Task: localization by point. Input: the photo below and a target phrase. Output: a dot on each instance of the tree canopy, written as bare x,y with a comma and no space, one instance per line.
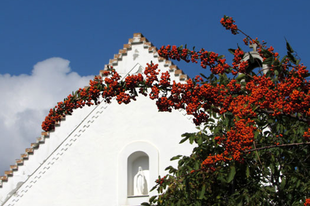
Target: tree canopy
253,138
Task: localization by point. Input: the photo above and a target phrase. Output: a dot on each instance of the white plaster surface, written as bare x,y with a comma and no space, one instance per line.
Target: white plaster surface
84,161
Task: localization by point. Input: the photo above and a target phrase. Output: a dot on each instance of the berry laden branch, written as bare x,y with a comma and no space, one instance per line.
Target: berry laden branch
234,102
200,98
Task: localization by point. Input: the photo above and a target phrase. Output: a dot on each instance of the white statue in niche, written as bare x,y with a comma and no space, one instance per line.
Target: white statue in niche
140,183
136,54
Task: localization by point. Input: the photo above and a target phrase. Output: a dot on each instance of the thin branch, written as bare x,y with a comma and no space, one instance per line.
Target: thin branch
289,115
247,36
257,154
282,145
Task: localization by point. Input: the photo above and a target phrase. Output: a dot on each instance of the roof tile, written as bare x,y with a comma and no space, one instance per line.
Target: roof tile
8,173
13,167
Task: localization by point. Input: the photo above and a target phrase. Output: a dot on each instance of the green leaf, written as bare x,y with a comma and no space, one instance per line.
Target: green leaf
153,188
283,59
240,77
276,72
256,133
196,166
247,198
171,169
291,58
276,63
221,178
270,189
298,183
191,139
232,51
202,192
288,47
175,157
266,53
152,198
240,203
247,172
272,168
268,61
232,174
204,76
283,183
200,139
183,140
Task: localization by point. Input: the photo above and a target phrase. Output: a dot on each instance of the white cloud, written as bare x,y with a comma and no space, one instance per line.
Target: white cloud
26,100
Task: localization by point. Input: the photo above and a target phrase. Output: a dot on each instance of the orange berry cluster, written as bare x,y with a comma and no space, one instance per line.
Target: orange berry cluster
247,41
307,202
228,23
161,180
151,74
216,63
235,142
111,87
133,81
123,97
307,135
86,96
286,93
165,79
237,64
108,88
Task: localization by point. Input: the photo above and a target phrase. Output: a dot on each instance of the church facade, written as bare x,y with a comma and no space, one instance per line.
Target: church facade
105,154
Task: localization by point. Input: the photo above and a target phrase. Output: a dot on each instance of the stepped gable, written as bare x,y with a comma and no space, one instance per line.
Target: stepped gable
28,152
26,155
138,38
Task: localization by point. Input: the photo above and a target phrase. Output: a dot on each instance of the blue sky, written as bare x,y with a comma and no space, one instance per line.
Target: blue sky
88,33
50,48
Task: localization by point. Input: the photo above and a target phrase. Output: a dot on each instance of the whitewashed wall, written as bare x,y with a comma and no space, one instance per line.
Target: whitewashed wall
84,161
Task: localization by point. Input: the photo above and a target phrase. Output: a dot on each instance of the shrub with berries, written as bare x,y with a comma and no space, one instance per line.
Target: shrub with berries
252,147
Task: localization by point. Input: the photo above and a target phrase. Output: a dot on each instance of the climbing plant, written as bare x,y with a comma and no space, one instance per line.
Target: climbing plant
252,146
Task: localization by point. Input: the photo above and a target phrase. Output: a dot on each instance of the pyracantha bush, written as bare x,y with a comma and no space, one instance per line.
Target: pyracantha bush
253,114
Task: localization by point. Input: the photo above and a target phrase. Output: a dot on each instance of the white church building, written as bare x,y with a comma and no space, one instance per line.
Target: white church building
106,154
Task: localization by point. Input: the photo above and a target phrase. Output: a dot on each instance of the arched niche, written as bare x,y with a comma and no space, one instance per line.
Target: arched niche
131,157
138,174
